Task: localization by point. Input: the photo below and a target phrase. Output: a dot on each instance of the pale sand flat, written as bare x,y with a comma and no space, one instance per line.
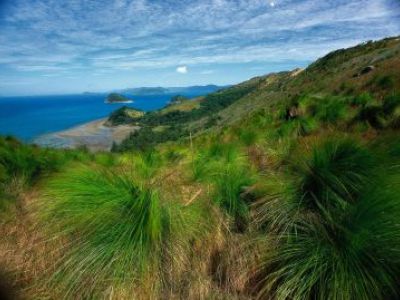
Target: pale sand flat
94,135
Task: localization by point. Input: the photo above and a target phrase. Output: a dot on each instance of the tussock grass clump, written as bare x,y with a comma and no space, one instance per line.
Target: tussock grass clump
328,109
26,161
391,103
373,115
117,230
173,155
362,99
336,227
248,137
225,169
230,182
148,163
207,161
333,176
380,115
105,159
143,165
225,151
298,127
23,165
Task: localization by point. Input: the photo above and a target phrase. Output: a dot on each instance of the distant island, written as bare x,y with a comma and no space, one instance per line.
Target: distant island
117,98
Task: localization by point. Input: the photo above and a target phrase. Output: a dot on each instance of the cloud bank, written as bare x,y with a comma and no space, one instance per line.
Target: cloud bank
134,42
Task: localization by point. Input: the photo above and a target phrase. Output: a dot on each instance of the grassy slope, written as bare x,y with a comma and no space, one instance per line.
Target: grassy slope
185,105
224,214
333,74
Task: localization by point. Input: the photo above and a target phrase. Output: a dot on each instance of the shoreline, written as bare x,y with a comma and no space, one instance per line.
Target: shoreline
95,135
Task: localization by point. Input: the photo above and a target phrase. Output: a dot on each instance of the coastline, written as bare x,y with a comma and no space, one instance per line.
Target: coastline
95,135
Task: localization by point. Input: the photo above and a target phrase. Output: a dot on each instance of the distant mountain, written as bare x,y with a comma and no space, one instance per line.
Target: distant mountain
145,91
196,89
189,90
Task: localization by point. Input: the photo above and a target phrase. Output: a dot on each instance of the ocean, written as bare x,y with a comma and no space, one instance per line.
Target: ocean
29,117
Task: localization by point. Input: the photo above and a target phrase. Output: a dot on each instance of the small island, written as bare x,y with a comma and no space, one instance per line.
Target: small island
117,98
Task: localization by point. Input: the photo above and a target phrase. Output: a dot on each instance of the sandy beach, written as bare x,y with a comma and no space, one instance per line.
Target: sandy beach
94,135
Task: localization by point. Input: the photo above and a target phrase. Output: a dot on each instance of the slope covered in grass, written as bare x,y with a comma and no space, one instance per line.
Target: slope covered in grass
346,73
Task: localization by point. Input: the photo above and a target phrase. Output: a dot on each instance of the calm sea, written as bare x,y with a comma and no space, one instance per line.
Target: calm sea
30,117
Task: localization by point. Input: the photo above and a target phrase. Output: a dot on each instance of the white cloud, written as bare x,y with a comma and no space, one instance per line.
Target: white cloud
122,36
182,69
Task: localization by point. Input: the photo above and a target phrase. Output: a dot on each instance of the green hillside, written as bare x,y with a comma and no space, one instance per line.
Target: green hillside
342,74
286,186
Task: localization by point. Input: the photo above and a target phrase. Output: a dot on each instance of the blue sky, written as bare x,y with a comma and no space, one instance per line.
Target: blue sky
56,46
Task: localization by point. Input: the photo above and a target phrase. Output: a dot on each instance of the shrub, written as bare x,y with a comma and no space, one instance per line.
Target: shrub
148,164
22,165
104,159
146,138
173,155
210,159
337,237
262,118
3,173
326,109
300,126
118,230
230,181
385,82
248,136
390,103
330,110
362,99
373,115
218,150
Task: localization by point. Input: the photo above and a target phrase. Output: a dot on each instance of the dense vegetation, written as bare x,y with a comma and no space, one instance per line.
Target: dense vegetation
283,187
175,119
22,165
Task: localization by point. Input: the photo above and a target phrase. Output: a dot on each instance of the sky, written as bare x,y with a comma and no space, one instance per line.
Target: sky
73,46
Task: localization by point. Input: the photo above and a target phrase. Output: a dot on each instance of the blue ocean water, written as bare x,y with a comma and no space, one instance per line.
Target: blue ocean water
30,117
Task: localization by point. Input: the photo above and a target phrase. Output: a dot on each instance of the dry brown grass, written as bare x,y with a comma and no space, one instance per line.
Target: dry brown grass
24,253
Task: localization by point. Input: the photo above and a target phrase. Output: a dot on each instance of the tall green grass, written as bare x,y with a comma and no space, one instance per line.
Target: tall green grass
224,167
206,161
117,230
230,182
336,228
23,165
362,99
380,115
248,136
328,109
298,127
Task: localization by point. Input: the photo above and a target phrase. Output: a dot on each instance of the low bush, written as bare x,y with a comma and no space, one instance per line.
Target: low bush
230,182
335,228
362,99
22,165
116,228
